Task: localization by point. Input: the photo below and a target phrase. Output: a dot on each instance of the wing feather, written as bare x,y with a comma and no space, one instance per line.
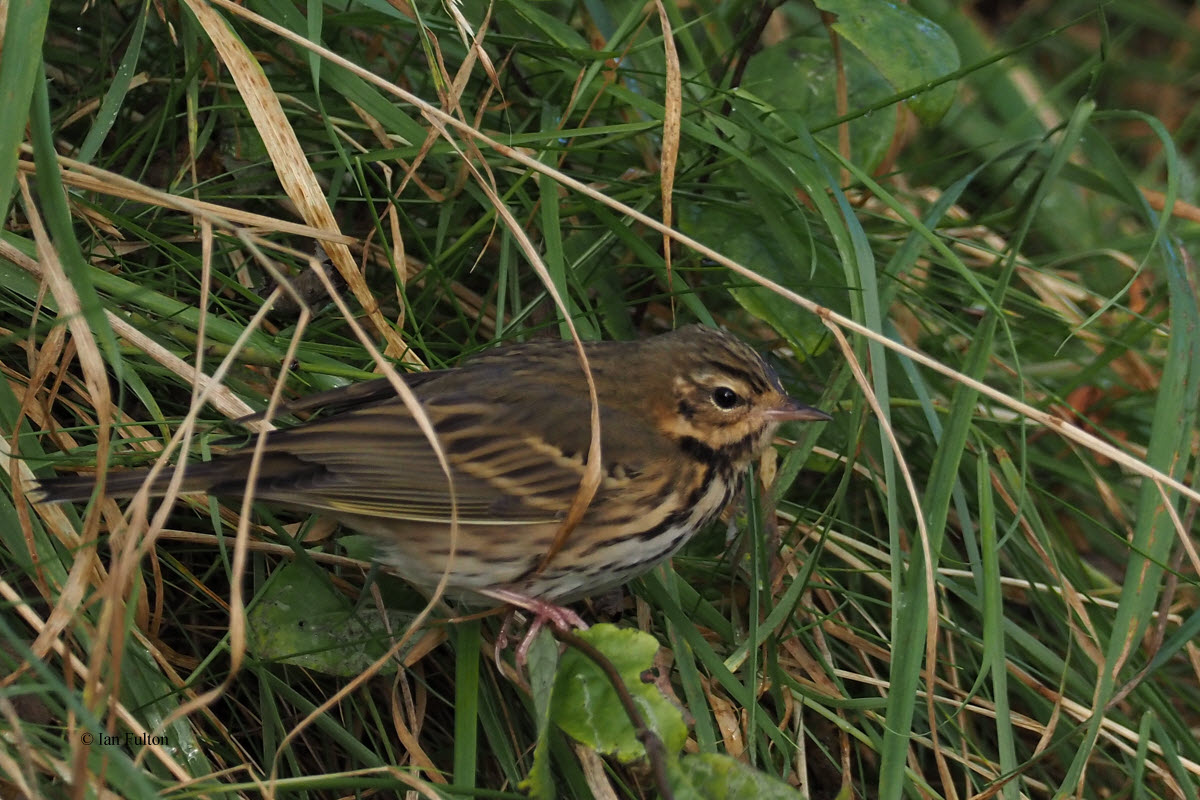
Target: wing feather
374,460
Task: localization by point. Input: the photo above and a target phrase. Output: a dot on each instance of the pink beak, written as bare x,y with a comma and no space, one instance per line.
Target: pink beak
790,410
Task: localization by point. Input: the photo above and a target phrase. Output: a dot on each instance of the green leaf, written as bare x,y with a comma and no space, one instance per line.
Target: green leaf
301,619
787,255
586,706
807,61
715,776
908,49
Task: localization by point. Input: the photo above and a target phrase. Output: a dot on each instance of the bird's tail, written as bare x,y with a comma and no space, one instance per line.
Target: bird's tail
198,477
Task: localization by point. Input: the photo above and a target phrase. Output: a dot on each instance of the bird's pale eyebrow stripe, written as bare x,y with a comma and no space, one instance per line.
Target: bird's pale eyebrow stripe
748,378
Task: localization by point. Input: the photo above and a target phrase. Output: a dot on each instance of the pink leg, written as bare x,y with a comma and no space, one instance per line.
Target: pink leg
563,619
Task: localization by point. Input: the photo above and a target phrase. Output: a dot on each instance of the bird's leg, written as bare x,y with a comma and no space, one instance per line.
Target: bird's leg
559,617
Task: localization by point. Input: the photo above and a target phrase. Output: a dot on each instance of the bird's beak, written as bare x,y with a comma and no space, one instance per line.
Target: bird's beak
789,410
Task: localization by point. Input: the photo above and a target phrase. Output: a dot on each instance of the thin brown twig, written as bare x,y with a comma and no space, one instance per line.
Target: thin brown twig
656,751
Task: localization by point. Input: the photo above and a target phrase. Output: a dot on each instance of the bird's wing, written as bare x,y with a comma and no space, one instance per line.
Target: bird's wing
516,458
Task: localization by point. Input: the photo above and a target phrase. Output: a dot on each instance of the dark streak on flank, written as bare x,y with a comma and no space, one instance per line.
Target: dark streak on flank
672,520
677,517
680,517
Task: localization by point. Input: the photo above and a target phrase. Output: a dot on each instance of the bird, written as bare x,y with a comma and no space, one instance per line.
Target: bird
681,416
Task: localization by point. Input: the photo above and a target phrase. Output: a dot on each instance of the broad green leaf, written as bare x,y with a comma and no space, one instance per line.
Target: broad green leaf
302,619
775,243
715,776
798,79
586,706
907,49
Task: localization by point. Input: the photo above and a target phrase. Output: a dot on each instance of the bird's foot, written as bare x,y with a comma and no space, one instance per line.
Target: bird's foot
557,617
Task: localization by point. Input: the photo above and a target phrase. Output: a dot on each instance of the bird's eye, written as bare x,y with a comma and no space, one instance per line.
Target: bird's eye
725,398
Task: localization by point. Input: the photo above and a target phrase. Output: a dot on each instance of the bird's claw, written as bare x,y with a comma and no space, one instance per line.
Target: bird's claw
559,618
